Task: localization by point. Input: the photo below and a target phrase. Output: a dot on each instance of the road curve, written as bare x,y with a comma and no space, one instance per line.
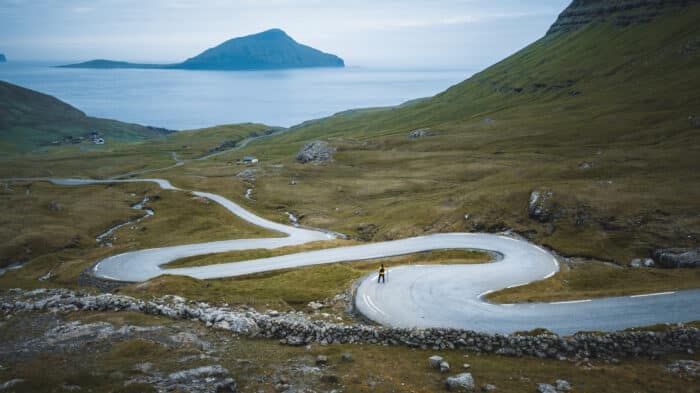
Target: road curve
448,296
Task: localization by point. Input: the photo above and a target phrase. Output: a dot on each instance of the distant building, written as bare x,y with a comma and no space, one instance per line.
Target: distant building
250,160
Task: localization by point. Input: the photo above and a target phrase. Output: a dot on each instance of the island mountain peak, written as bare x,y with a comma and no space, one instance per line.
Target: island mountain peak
270,49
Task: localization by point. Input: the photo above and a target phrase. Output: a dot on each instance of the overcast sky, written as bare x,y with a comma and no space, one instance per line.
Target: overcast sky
406,33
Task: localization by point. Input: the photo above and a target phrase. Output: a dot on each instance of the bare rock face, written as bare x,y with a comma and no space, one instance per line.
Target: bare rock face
677,257
316,151
541,205
420,133
621,12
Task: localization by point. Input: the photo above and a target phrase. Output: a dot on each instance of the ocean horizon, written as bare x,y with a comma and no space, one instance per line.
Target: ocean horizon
187,99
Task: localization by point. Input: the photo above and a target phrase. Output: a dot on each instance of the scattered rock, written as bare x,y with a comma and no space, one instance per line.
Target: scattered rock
315,306
690,367
648,262
466,366
636,263
575,92
563,385
199,372
677,257
461,383
55,206
586,165
315,151
546,388
249,174
321,360
444,367
347,357
541,205
298,329
488,388
434,362
421,132
694,121
144,367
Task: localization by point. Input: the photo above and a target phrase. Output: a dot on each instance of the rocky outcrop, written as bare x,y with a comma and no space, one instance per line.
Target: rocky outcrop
421,133
541,206
621,12
677,257
295,328
315,151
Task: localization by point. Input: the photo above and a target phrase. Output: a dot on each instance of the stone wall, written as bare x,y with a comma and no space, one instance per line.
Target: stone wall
296,328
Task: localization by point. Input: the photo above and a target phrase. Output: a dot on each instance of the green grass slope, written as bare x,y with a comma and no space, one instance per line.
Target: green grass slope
29,120
599,115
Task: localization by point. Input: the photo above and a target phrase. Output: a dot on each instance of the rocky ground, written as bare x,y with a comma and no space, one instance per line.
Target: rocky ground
60,340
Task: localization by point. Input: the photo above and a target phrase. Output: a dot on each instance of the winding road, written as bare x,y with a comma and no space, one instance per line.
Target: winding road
448,296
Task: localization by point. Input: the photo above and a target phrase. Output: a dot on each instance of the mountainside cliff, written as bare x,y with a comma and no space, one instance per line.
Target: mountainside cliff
622,12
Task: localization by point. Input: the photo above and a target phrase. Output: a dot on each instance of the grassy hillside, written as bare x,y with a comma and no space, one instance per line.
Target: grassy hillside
29,120
599,116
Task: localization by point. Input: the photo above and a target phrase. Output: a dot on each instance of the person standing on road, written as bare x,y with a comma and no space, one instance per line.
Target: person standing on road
382,272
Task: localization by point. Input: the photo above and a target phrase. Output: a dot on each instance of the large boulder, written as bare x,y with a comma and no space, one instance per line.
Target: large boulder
541,206
420,133
461,383
677,257
434,362
315,151
694,121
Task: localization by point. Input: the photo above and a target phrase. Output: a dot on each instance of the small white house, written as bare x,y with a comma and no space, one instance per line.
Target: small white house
250,160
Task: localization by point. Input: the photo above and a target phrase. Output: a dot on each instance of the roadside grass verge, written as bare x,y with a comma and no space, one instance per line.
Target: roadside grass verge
293,288
594,279
439,256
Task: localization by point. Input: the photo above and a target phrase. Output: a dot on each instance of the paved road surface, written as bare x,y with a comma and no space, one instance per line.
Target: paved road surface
416,296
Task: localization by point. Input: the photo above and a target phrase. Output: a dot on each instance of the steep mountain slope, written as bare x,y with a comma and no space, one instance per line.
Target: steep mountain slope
604,116
267,50
270,49
29,119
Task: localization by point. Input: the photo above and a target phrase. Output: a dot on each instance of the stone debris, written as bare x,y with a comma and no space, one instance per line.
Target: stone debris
315,151
206,379
434,362
540,206
677,257
690,367
421,133
444,367
461,383
297,328
560,386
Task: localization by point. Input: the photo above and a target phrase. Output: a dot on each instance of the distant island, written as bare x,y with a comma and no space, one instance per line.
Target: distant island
2,58
269,50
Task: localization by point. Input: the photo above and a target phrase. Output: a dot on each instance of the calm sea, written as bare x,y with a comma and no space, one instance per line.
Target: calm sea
180,99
